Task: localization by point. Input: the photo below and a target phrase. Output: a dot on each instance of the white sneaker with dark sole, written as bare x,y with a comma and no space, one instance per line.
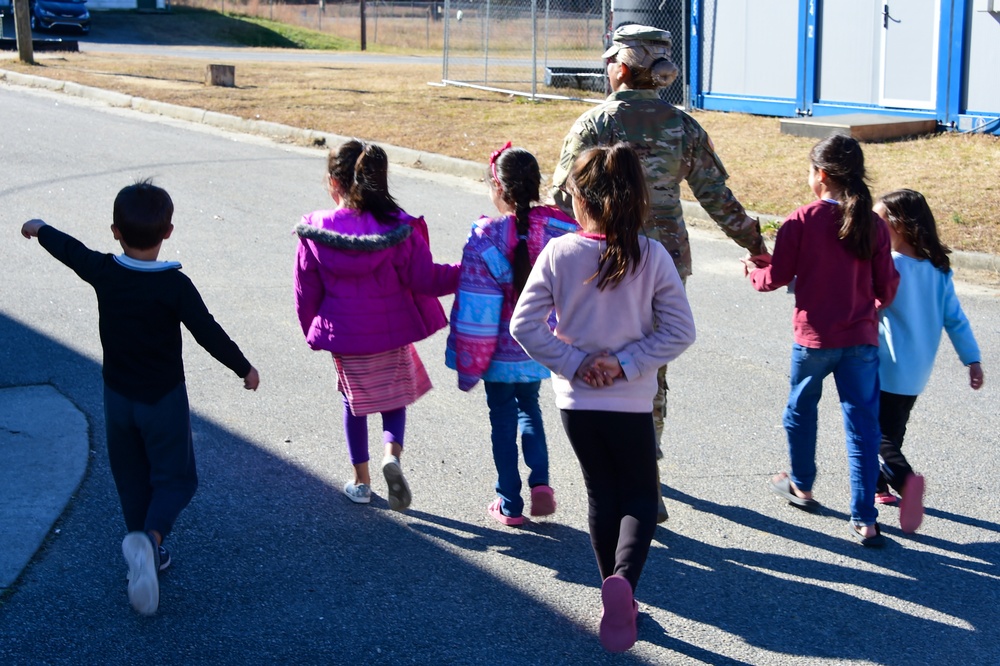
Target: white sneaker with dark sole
399,489
143,583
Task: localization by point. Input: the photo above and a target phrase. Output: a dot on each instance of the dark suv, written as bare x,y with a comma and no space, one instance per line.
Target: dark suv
55,14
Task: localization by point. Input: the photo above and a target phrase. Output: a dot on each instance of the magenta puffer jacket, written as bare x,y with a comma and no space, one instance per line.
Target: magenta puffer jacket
363,287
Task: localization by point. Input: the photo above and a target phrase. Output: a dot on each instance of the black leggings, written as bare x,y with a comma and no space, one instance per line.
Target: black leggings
893,414
617,453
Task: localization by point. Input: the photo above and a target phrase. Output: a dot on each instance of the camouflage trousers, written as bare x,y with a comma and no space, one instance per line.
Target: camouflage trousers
660,408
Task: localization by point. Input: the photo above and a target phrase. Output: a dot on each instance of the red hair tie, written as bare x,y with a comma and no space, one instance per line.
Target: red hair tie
494,156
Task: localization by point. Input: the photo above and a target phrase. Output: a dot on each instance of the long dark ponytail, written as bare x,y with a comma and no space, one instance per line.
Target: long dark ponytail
841,158
517,179
612,189
907,212
361,171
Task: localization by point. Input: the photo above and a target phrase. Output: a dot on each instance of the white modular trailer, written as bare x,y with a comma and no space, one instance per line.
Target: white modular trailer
919,58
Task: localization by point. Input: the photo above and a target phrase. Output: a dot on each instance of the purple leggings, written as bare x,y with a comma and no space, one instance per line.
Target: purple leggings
356,428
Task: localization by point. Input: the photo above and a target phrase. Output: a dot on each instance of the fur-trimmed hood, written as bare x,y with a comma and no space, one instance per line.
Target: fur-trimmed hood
366,242
355,275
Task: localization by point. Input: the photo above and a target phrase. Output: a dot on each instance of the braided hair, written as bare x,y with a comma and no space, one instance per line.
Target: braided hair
515,176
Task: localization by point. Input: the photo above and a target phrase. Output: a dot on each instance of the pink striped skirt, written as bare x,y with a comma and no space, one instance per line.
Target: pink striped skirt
381,382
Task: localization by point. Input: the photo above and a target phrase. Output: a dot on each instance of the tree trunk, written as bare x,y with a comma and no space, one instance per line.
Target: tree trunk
364,28
22,28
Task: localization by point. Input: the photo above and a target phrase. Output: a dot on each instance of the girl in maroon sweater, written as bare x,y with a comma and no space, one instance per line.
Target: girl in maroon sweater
838,253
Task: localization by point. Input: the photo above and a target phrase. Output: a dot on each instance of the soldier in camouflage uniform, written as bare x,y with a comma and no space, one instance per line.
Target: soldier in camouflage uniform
672,146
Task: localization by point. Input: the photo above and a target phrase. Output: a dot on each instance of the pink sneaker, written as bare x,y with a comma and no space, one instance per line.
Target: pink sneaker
618,632
543,501
501,517
886,498
911,506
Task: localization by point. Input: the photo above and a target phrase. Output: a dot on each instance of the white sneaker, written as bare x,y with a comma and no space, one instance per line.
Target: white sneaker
399,489
358,493
143,581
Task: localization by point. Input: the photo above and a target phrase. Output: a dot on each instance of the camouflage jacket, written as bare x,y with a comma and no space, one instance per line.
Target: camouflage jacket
673,147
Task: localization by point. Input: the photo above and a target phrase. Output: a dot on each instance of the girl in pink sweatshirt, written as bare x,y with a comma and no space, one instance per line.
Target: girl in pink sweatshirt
621,314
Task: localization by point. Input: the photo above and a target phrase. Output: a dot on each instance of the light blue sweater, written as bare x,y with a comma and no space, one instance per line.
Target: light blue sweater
910,328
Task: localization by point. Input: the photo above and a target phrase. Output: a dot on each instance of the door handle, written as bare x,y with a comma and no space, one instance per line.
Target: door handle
886,18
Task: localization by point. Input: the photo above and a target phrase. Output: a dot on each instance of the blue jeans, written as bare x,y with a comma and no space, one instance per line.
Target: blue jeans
855,370
514,407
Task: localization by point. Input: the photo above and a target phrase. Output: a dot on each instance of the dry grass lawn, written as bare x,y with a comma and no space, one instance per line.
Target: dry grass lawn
395,105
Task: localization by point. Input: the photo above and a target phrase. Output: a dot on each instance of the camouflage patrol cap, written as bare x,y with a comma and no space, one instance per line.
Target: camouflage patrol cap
634,36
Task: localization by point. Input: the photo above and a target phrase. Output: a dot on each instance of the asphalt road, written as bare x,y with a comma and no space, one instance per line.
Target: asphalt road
273,565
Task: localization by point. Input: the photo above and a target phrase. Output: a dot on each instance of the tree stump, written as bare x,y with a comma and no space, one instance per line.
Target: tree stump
220,75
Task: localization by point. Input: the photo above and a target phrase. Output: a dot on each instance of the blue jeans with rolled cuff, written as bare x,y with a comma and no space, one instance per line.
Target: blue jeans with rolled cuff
855,371
513,408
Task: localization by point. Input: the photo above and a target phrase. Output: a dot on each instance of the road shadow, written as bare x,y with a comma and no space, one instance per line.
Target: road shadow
272,564
909,599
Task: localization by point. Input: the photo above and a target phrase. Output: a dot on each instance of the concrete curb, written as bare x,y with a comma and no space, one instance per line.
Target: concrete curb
694,214
44,462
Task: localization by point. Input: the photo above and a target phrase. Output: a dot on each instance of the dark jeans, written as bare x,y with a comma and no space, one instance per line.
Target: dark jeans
152,458
617,453
893,415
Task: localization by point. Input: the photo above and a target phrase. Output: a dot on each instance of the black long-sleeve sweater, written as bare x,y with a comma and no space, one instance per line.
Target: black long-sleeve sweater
140,316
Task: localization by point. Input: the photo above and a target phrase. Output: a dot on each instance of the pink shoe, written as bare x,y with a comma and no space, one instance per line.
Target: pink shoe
501,517
543,501
911,506
886,498
618,631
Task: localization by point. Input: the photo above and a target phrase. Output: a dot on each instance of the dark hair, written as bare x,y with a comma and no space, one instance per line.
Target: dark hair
517,179
611,188
907,212
361,171
840,157
142,214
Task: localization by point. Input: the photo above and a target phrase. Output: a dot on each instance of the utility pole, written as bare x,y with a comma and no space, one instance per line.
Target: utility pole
364,40
22,28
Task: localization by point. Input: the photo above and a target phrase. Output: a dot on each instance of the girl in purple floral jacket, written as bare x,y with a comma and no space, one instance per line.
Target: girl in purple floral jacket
366,289
495,264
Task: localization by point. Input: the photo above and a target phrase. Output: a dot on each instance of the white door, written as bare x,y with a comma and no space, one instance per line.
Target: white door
910,53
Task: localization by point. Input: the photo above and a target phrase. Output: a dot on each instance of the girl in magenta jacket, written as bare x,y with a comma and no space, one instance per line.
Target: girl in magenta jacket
366,289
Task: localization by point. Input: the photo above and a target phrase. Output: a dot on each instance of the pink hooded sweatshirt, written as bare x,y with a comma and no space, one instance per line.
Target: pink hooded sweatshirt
363,287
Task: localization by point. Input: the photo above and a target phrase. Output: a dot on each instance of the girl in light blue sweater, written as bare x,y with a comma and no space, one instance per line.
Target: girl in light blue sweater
909,335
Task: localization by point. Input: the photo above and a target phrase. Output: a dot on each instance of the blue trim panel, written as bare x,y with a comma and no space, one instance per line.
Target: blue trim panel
694,54
831,108
755,105
957,66
808,38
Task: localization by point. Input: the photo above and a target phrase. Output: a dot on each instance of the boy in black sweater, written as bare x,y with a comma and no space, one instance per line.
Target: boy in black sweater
142,302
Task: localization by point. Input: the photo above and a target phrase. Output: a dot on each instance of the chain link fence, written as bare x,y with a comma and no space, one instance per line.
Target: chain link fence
544,49
549,48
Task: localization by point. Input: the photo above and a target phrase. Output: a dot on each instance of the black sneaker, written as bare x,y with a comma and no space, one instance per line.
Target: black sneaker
164,557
